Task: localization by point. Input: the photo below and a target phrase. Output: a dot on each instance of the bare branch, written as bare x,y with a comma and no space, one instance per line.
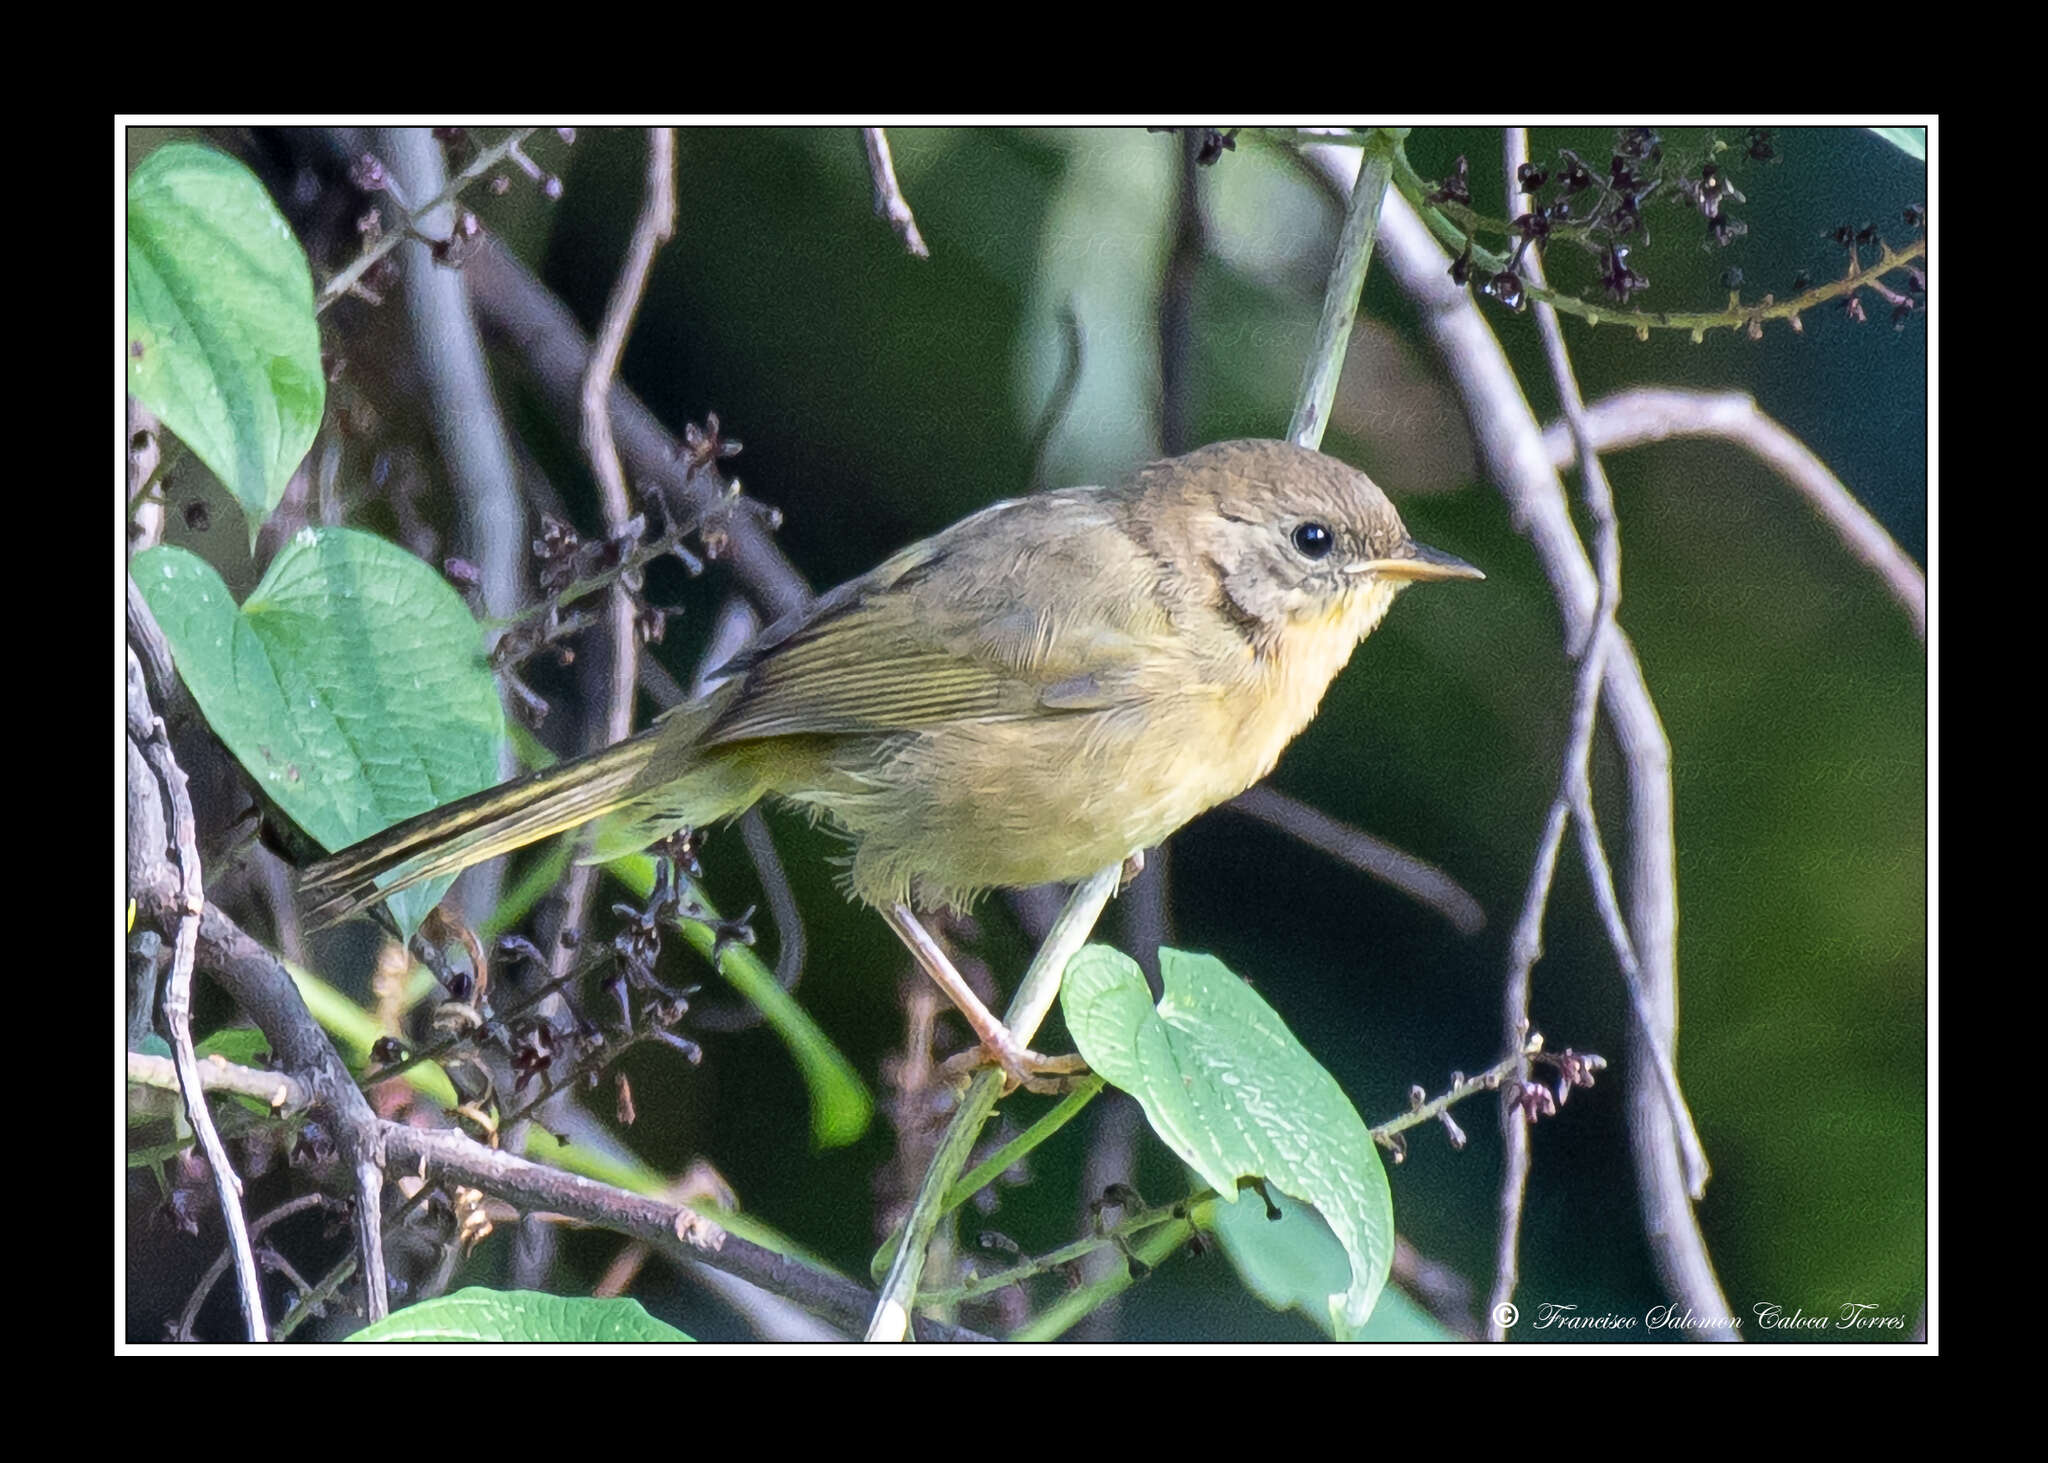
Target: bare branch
1420,880
1639,418
470,435
1511,448
1577,789
675,1230
148,737
889,201
522,315
482,163
280,1091
655,226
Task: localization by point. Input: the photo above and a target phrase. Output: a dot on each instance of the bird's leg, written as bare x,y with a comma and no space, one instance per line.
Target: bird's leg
1021,1066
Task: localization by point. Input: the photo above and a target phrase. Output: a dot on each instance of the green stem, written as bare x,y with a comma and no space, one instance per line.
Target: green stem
1154,1250
1737,316
1035,995
1340,297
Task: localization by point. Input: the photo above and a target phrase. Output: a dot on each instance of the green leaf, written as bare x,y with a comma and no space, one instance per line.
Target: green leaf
1230,1090
352,685
477,1314
1912,141
240,1045
1296,1263
222,344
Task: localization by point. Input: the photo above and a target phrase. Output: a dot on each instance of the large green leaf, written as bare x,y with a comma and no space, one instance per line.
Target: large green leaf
1225,1084
352,685
477,1314
1296,1263
222,344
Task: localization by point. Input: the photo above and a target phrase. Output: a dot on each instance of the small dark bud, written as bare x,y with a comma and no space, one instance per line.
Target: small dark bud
368,174
1214,143
1457,188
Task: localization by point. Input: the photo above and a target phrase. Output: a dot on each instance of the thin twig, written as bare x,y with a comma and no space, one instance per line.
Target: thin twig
786,914
468,425
1116,1235
889,201
654,227
1646,415
677,1231
190,1316
282,1093
522,315
1491,1080
261,986
1575,788
482,163
1511,449
1325,361
1419,879
1607,559
1034,998
312,1299
147,732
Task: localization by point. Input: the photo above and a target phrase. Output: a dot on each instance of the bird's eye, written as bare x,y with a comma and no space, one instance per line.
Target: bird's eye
1313,540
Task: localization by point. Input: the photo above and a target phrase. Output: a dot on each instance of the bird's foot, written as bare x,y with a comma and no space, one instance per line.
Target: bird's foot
1021,1066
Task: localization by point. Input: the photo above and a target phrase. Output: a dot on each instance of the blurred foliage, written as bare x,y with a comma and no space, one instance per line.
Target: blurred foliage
880,398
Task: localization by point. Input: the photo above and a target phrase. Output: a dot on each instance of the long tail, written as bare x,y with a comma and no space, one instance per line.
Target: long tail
495,821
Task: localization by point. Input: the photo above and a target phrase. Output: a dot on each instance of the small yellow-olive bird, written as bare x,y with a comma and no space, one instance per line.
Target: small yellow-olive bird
1048,687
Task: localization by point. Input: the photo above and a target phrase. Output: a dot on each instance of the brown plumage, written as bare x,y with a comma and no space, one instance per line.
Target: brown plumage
1039,691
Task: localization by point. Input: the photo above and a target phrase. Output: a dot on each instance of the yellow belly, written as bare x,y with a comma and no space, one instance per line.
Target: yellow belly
939,816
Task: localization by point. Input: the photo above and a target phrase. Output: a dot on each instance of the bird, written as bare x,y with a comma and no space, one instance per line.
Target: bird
1045,689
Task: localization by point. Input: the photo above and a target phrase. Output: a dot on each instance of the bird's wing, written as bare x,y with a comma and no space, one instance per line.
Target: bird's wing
1040,604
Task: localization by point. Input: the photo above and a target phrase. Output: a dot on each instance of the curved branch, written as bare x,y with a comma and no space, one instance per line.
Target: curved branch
1510,444
1639,418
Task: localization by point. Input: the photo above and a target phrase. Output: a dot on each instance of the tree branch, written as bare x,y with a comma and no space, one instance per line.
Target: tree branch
1641,417
889,200
674,1229
1511,448
523,317
184,902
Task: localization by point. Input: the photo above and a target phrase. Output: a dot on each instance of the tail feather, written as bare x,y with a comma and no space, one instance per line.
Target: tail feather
495,821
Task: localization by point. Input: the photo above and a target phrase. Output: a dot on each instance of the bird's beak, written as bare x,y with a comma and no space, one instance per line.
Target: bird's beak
1414,561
